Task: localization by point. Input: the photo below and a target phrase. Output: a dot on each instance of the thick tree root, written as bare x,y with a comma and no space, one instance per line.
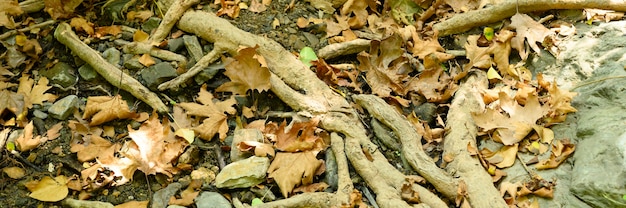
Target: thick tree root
112,74
460,133
465,21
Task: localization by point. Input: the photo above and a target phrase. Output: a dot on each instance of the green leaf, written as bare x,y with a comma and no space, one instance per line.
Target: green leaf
307,55
488,33
256,201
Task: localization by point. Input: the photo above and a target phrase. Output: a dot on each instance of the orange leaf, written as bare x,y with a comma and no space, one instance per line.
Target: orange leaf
292,169
245,73
106,108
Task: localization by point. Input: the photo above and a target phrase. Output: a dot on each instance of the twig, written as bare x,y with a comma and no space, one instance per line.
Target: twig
344,48
112,74
143,48
207,59
463,22
14,32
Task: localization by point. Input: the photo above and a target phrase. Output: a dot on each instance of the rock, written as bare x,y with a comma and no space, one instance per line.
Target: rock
62,74
63,108
40,114
112,55
191,156
242,135
162,197
193,46
174,45
208,73
211,200
244,173
204,174
426,112
157,74
133,64
69,202
151,24
87,73
313,40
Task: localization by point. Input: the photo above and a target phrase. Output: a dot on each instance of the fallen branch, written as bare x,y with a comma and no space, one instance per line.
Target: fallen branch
463,22
343,48
29,28
460,133
143,48
112,74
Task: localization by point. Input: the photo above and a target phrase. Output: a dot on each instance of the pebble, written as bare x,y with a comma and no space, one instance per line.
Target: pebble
174,45
244,173
63,108
157,74
162,197
87,72
112,55
193,46
151,24
211,200
61,73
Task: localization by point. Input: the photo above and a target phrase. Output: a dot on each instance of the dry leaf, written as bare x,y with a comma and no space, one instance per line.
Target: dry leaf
106,108
214,112
108,30
61,9
293,169
26,141
92,147
50,189
386,69
35,94
133,204
146,60
80,24
14,172
12,102
529,29
246,73
299,137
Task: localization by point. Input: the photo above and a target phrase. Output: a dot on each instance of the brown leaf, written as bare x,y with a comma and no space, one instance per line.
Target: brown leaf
61,9
230,8
50,189
26,141
386,69
146,60
92,147
245,73
214,112
433,83
35,94
292,169
106,108
256,6
300,137
12,102
529,29
133,204
81,24
561,150
108,30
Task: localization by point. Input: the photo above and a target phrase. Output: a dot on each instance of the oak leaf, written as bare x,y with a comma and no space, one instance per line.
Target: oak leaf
246,72
106,108
293,169
386,69
214,112
530,30
300,136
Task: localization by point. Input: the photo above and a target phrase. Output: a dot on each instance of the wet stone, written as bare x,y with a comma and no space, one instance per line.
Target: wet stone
157,74
61,73
87,73
63,108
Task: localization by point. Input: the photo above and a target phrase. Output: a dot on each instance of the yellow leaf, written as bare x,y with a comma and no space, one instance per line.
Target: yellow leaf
493,74
186,134
246,73
50,189
146,60
14,172
140,36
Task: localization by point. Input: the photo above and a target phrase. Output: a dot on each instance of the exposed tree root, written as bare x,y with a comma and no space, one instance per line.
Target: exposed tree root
207,59
465,21
173,14
112,74
343,48
460,133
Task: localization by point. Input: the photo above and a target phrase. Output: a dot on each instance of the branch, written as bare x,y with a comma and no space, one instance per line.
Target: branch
463,22
112,74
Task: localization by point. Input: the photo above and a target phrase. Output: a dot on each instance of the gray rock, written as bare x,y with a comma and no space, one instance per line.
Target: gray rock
313,40
62,74
133,64
211,200
40,114
242,135
244,173
174,45
151,24
63,108
87,73
113,56
157,74
193,46
162,197
69,202
208,73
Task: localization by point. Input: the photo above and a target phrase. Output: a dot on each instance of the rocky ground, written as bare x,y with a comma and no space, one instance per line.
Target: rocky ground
51,90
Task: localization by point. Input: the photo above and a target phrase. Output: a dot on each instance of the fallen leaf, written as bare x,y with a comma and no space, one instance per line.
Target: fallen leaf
230,8
26,141
108,30
246,73
146,60
530,30
11,102
61,9
293,169
92,147
133,204
214,112
105,109
386,69
35,93
14,172
256,6
503,158
561,150
50,189
81,24
140,36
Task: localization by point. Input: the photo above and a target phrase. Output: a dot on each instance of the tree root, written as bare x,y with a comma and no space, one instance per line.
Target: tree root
173,14
465,21
411,144
207,59
112,74
460,133
343,48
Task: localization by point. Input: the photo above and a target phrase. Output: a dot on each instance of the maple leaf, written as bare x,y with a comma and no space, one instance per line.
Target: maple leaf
11,102
386,69
292,169
92,147
560,104
214,112
245,73
424,47
528,29
518,122
61,9
26,141
356,10
300,137
35,93
433,83
106,108
336,77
